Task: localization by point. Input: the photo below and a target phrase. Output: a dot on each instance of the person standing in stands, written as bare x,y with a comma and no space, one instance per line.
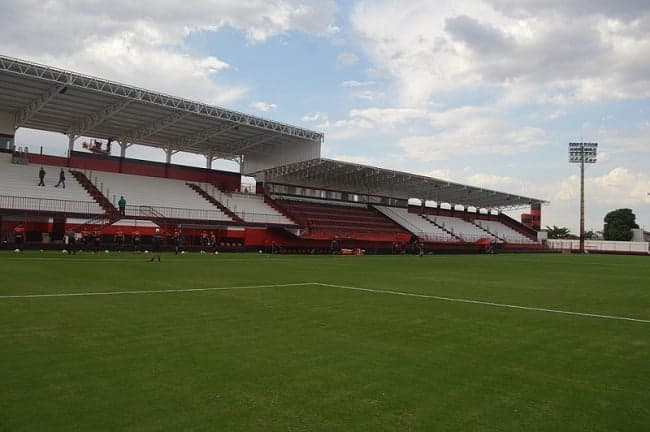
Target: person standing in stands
61,179
155,245
122,206
41,177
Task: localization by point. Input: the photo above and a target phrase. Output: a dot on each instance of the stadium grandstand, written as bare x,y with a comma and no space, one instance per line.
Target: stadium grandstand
301,203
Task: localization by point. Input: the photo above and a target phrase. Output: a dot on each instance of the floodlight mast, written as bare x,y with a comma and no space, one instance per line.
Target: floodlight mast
582,153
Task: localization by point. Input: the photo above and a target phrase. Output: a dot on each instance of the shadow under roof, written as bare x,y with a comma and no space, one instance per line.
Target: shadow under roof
368,180
56,100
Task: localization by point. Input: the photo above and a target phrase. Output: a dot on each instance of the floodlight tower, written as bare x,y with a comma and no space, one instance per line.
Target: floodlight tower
582,153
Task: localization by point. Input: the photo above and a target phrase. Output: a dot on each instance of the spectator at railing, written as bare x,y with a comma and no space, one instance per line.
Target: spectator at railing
122,205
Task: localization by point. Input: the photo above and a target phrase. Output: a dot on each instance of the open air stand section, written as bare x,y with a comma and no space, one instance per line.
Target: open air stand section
302,203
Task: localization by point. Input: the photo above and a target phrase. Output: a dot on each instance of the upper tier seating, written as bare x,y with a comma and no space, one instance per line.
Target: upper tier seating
416,224
168,197
250,207
19,190
504,232
326,221
461,228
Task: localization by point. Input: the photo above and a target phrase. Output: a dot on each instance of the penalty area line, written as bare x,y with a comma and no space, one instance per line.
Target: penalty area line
161,291
485,303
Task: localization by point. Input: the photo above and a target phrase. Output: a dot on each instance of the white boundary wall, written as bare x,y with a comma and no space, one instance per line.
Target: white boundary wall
601,246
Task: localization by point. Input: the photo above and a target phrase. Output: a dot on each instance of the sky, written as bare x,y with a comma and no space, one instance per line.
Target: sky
483,92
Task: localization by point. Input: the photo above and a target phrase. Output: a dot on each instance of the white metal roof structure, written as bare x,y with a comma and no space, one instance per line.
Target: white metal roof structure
46,98
369,180
56,100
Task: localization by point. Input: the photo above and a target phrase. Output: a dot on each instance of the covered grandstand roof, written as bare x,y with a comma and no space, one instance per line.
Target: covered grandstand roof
56,100
364,179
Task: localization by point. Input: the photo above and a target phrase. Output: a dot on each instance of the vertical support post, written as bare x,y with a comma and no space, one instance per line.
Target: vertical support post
71,140
209,157
582,199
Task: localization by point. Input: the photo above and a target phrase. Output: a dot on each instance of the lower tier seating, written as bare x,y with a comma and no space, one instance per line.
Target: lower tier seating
327,221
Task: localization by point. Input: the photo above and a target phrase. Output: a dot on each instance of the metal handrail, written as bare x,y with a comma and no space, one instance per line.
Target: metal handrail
49,204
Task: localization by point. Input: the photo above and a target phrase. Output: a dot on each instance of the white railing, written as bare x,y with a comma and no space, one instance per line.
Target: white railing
48,204
177,213
601,246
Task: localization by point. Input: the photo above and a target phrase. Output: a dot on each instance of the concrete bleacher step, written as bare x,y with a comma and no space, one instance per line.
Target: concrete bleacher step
212,200
457,237
473,222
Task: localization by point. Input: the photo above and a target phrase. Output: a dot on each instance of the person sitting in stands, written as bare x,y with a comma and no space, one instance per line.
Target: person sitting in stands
41,177
61,179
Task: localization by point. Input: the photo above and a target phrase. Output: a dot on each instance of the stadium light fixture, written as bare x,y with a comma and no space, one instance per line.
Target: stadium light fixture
582,153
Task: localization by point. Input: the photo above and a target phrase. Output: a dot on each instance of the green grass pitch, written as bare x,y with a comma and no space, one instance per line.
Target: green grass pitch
287,353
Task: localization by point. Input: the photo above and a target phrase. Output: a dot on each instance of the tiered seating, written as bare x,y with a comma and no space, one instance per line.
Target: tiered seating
504,232
19,190
251,208
326,221
416,224
169,198
463,229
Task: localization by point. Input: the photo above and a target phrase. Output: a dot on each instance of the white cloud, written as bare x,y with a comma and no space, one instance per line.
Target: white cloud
619,186
317,116
353,83
347,59
568,53
143,43
263,106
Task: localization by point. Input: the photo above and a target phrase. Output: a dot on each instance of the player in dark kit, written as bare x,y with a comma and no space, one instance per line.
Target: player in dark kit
155,245
135,235
19,237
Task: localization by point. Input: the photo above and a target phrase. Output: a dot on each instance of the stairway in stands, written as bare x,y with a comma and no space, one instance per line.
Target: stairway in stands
442,228
108,207
212,200
473,222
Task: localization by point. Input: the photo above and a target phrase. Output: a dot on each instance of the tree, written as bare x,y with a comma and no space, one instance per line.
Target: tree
591,235
619,224
557,232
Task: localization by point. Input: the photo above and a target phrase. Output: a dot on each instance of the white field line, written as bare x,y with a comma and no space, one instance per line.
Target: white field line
346,287
501,305
161,291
